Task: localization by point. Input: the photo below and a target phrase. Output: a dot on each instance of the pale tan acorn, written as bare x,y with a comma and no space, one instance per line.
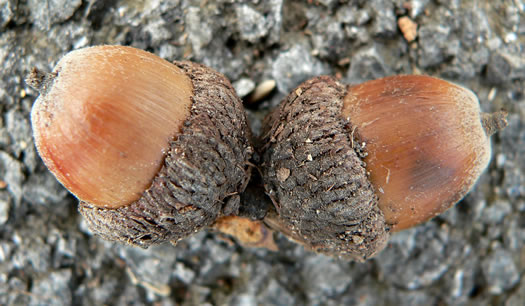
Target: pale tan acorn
153,150
347,165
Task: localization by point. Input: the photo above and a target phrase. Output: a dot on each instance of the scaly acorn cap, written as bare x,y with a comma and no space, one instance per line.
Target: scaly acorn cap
153,150
315,176
346,165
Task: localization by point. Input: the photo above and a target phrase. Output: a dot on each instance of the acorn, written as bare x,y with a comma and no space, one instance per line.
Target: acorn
153,150
347,165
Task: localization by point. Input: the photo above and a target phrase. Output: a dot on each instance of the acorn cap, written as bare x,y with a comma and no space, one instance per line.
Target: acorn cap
316,178
154,151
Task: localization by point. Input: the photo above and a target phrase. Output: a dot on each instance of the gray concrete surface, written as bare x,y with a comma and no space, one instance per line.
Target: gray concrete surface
472,255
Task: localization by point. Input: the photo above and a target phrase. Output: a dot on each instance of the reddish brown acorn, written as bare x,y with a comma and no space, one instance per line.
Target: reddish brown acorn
347,165
153,150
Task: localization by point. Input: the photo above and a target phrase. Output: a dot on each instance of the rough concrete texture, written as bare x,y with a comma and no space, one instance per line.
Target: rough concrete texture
472,255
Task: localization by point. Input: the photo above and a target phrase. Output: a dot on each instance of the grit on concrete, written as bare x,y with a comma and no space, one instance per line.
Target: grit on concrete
472,255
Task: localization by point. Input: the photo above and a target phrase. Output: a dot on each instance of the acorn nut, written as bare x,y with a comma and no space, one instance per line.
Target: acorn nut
346,165
154,151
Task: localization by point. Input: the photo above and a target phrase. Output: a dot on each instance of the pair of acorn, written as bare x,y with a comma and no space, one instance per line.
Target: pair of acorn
156,151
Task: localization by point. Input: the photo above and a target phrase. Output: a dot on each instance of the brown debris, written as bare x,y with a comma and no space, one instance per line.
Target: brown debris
247,232
408,27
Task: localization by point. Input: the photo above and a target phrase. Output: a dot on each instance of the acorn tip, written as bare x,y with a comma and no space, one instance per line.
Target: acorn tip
38,79
494,122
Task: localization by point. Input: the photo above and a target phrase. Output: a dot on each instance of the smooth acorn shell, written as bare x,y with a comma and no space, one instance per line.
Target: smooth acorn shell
104,123
425,142
154,151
